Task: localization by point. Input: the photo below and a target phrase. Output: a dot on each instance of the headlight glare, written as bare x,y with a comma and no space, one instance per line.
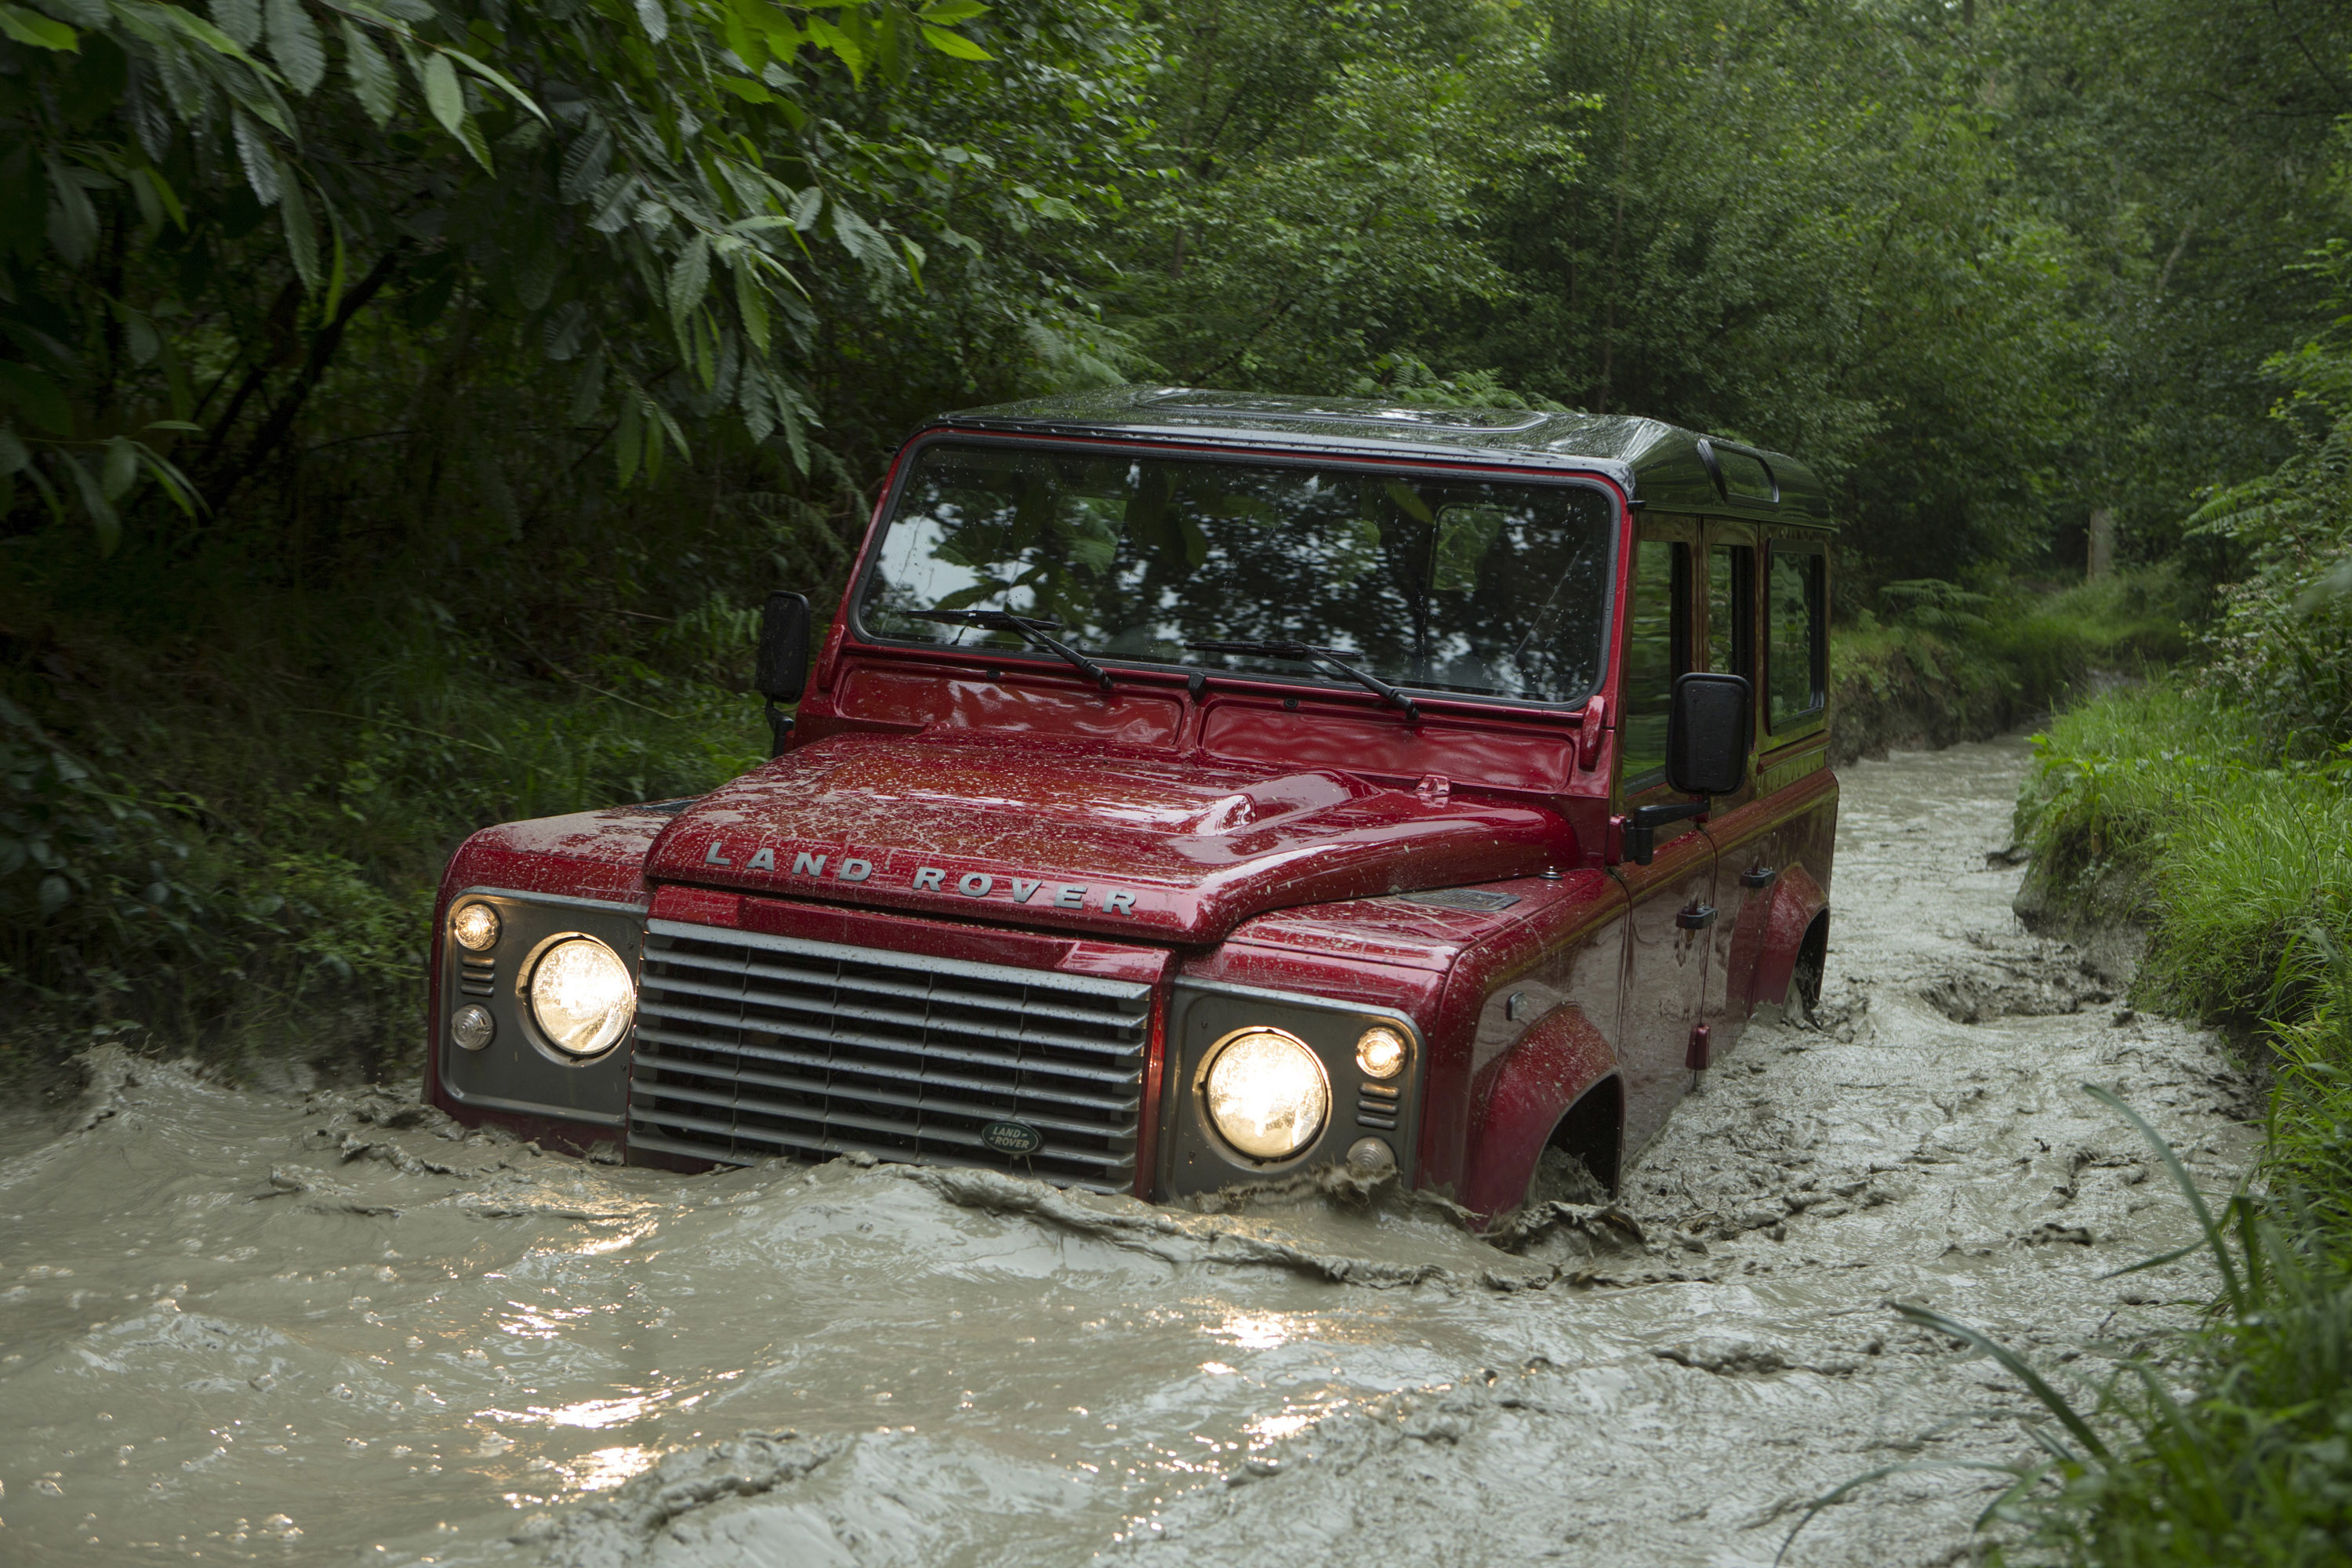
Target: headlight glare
1265,1094
1380,1052
581,997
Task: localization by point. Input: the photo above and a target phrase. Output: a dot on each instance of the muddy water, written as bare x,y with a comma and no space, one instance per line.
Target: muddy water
243,1326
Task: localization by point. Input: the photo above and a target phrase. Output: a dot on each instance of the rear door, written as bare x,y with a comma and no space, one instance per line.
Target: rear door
1668,953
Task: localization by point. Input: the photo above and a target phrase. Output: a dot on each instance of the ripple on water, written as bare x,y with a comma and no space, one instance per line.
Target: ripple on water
299,1328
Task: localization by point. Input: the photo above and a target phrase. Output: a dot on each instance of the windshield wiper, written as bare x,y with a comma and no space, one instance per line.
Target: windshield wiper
1034,629
1307,653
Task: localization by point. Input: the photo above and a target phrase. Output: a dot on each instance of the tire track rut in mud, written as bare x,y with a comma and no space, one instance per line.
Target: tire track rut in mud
334,1327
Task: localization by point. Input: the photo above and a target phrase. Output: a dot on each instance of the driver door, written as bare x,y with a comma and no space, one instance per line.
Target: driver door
1668,936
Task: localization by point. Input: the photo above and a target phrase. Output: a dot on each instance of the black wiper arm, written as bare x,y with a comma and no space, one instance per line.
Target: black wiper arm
1307,653
1034,629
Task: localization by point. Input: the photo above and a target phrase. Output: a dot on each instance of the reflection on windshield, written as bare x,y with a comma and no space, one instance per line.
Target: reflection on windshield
1437,585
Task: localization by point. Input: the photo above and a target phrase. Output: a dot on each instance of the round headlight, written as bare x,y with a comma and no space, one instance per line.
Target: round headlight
1266,1095
476,927
472,1026
580,997
1380,1052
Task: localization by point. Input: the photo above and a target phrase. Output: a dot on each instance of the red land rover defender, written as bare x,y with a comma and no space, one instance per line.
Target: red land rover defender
1196,787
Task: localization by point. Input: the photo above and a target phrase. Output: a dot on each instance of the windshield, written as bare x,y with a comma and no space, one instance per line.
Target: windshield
1439,584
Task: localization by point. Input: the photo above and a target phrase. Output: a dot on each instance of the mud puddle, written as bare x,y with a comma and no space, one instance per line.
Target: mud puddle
239,1326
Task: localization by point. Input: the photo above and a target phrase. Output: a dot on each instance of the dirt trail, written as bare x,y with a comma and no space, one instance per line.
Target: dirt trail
242,1326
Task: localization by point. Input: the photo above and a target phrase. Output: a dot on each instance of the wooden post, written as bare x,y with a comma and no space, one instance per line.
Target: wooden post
2103,543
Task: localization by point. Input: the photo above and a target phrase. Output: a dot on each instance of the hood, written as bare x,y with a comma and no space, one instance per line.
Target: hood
1084,837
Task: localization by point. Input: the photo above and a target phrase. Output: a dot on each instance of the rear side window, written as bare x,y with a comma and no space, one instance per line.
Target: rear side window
1797,637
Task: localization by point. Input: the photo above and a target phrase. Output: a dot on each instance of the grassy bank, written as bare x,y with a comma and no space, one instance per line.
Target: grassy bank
2171,805
1933,663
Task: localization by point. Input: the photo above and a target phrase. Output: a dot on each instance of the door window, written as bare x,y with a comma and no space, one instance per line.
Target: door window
1657,649
1731,610
1796,608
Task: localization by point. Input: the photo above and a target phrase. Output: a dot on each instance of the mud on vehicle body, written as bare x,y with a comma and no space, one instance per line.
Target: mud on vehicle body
1196,787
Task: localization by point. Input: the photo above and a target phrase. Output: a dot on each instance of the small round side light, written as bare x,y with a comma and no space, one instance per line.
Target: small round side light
476,927
472,1026
1380,1052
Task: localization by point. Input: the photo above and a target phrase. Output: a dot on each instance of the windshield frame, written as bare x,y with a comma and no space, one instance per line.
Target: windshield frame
1403,465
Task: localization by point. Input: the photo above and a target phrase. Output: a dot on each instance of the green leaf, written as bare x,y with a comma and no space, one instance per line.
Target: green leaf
302,235
443,96
172,482
585,162
14,454
153,180
295,44
119,468
103,519
239,20
751,301
32,28
38,397
948,13
738,23
827,36
521,98
373,82
141,337
954,44
260,162
629,438
655,18
175,424
471,133
689,276
746,90
588,392
73,221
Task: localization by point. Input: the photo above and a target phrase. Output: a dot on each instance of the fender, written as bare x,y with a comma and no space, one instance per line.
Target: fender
1531,1087
1796,899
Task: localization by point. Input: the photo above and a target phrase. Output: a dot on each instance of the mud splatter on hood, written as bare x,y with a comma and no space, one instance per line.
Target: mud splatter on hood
1086,838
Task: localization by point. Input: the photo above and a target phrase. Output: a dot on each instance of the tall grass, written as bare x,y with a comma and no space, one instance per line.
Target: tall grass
1934,662
2241,862
2237,854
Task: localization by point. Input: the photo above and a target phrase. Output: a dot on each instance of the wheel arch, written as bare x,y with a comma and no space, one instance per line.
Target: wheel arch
1797,917
1531,1092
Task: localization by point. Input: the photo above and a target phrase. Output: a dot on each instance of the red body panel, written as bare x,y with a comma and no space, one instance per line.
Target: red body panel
1254,833
1030,831
1563,1055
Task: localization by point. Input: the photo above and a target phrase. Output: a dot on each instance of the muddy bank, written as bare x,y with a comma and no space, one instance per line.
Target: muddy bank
246,1326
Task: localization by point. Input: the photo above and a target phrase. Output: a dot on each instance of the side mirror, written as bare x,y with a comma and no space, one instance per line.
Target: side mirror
781,674
1708,733
1708,727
